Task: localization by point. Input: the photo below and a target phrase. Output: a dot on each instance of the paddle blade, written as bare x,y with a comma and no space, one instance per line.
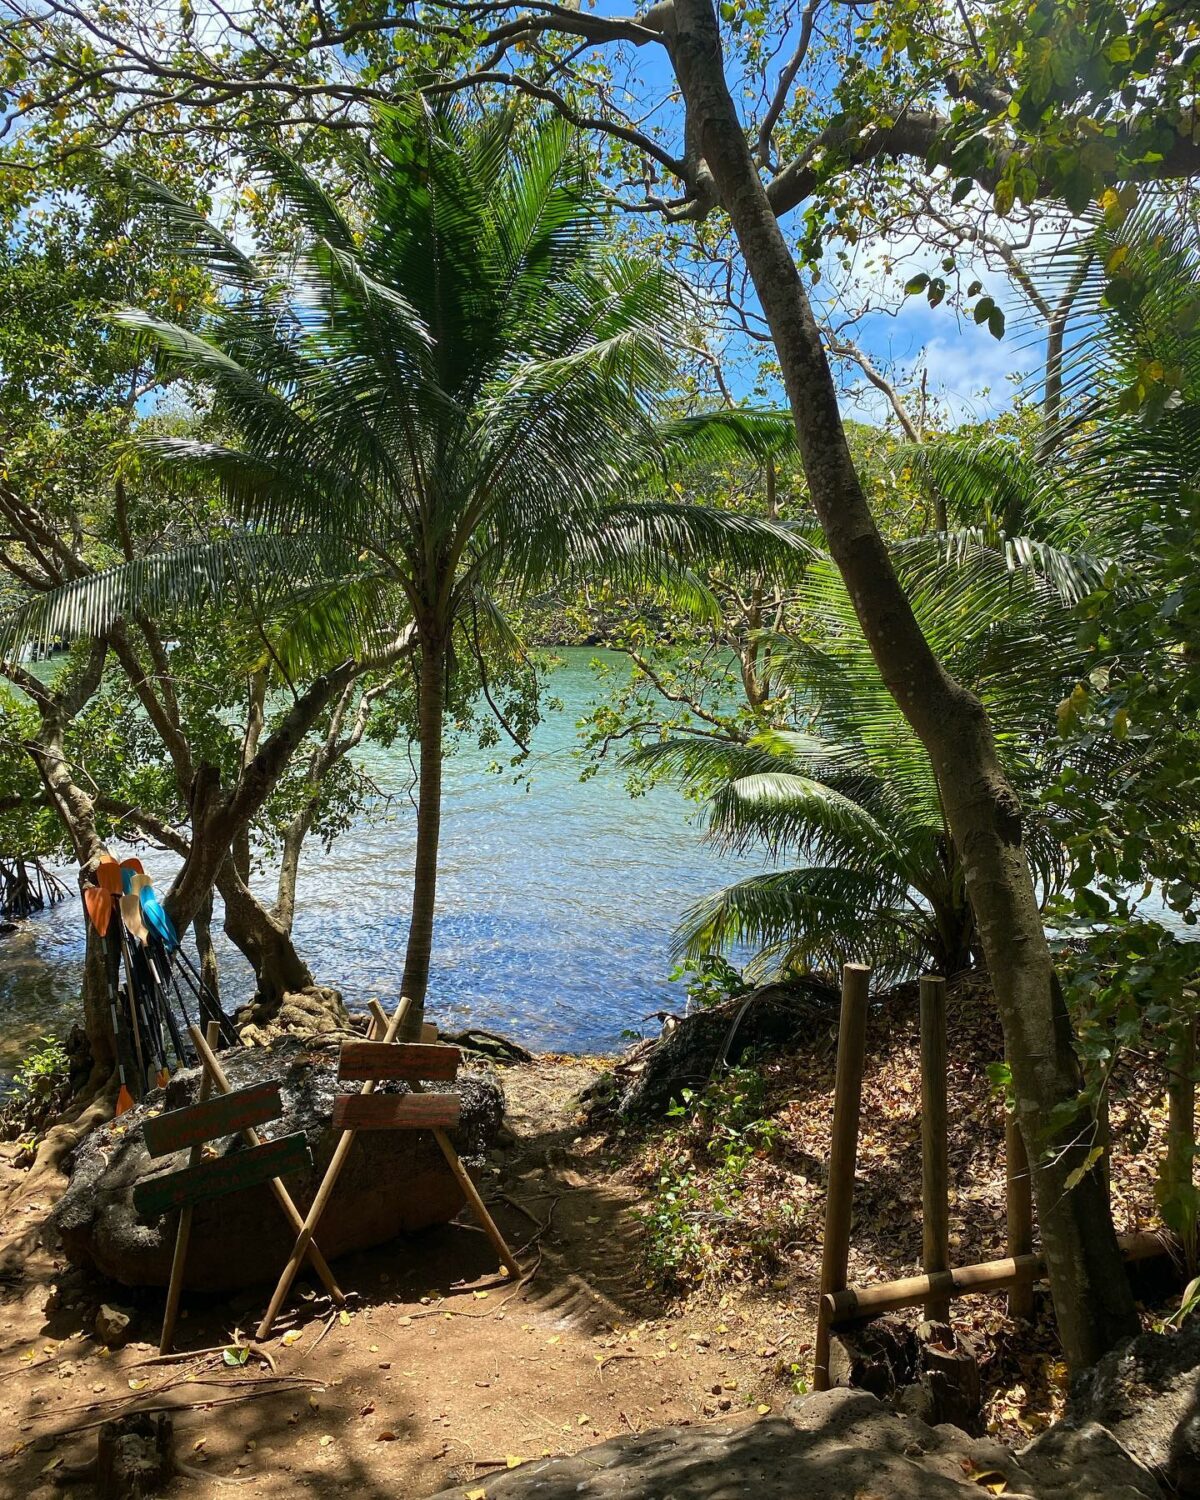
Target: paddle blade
139,883
156,915
124,1100
108,875
131,915
99,905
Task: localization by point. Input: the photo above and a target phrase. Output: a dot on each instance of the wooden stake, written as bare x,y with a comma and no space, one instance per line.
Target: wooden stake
252,1138
184,1233
454,1162
1018,1196
843,1155
1181,1124
935,1159
332,1172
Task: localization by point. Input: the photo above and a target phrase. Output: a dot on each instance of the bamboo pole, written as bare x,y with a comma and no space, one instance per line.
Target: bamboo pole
453,1161
843,1155
1181,1126
184,1233
852,1303
1018,1201
324,1192
935,1155
251,1136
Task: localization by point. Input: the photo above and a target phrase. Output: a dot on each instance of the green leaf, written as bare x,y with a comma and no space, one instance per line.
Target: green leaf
1076,1175
916,283
996,323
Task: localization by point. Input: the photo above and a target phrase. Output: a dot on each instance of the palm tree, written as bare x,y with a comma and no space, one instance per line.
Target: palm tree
853,791
447,394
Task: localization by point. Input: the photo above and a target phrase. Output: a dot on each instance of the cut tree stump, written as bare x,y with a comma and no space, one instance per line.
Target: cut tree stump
135,1456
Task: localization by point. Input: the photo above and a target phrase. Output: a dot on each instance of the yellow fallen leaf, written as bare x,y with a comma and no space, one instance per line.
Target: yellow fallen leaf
583,1419
481,1295
512,1461
344,1318
763,1409
476,1495
292,1336
326,1440
991,1480
138,1385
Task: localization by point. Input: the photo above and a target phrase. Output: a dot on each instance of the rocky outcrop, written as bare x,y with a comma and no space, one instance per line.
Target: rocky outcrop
1147,1393
644,1083
839,1445
394,1182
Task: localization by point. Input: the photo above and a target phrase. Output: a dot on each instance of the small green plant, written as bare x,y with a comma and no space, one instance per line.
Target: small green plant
709,980
41,1071
694,1213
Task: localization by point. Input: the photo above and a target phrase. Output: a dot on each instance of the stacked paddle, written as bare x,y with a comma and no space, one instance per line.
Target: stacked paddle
135,928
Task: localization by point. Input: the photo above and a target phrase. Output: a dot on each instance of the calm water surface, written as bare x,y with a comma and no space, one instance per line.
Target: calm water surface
557,900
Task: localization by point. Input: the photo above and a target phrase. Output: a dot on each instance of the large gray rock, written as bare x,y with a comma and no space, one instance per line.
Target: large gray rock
839,1445
1147,1393
395,1181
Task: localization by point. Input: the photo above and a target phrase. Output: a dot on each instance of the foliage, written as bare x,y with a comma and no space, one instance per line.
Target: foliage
848,786
709,979
719,1131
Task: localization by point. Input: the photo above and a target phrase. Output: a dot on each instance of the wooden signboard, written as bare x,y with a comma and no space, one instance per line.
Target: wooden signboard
395,1111
368,1063
410,1061
215,1176
224,1114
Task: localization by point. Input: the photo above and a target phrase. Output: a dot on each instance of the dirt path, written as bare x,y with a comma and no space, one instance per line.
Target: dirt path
443,1371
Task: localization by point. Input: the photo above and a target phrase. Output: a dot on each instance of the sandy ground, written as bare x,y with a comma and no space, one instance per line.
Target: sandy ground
443,1371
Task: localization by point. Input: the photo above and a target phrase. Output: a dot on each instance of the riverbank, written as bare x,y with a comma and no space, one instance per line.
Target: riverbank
443,1372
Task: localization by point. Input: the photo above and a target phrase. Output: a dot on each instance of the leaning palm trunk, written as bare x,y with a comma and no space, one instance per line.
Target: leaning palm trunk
431,716
1091,1293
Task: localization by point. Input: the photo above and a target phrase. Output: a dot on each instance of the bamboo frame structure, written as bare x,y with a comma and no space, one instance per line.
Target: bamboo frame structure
935,1159
843,1154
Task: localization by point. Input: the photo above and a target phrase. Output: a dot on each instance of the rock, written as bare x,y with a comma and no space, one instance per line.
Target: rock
1147,1393
394,1182
113,1324
838,1445
643,1085
1069,1462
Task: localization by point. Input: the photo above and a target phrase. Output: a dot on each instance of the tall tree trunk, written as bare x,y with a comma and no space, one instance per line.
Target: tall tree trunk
431,714
1091,1292
210,970
278,967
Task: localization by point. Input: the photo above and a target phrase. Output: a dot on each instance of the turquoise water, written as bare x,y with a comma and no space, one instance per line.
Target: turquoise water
558,899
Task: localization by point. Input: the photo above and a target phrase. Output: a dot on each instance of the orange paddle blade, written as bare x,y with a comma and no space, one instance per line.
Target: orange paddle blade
124,1100
133,864
99,906
108,874
131,915
162,1078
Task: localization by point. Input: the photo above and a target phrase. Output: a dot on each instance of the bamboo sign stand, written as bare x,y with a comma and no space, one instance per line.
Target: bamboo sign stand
370,1062
230,1112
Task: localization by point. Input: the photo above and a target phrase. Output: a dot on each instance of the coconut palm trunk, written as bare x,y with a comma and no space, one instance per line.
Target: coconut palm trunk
431,711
